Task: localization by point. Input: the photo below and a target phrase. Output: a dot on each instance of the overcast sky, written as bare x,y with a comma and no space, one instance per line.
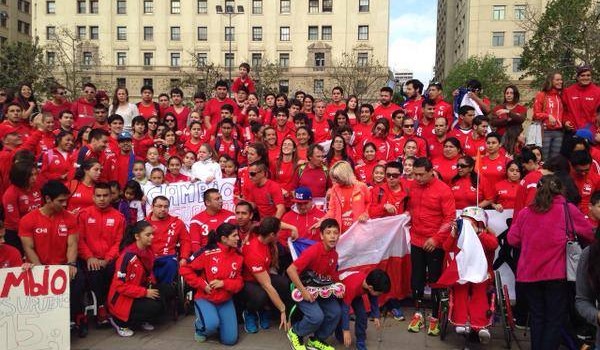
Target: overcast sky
412,37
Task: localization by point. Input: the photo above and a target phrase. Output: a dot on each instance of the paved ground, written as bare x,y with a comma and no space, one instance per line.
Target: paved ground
179,335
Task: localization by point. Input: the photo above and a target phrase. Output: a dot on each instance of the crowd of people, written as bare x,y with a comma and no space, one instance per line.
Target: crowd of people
73,178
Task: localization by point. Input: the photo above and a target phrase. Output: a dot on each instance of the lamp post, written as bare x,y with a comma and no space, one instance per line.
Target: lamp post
230,11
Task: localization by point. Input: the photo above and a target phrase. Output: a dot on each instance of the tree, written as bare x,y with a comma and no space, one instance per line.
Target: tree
266,76
201,75
486,69
565,36
358,75
23,62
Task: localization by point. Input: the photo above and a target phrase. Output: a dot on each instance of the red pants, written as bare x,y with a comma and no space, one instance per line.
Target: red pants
470,303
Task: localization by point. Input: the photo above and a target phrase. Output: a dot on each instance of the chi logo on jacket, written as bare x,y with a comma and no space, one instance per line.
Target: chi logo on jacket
234,266
214,270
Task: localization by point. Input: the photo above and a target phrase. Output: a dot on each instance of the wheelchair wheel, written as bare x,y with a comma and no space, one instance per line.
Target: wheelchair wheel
502,300
444,313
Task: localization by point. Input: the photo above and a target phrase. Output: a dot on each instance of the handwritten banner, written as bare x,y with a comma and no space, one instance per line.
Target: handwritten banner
34,308
186,198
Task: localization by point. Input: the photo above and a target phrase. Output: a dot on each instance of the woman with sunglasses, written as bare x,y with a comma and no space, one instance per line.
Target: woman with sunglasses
121,106
465,186
170,121
153,123
445,165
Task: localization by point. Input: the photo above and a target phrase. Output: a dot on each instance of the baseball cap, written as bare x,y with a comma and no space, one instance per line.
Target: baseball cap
302,194
6,130
124,136
585,134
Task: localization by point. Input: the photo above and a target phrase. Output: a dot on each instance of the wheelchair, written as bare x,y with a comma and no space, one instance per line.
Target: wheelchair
499,310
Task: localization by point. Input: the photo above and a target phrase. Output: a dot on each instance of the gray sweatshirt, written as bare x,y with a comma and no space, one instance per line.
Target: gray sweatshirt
586,300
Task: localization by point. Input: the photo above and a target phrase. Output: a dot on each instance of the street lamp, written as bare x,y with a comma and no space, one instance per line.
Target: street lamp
230,11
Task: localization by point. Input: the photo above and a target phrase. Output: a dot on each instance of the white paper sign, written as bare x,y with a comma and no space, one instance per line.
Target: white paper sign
34,308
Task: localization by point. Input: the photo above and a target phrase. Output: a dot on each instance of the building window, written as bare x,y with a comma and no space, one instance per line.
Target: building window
319,60
516,65
3,21
201,59
363,32
285,6
498,12
81,33
148,6
229,34
313,6
23,27
23,6
175,59
148,33
80,6
175,82
121,7
148,58
175,6
3,40
362,59
87,58
50,58
500,62
121,82
327,5
148,82
175,33
229,60
257,7
363,5
121,33
50,32
519,39
318,86
202,33
284,33
94,6
50,7
497,38
326,32
256,59
121,58
520,12
284,87
256,33
94,33
284,60
313,33
202,6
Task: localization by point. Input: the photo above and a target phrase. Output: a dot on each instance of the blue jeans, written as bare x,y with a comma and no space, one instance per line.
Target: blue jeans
320,318
165,268
211,318
551,143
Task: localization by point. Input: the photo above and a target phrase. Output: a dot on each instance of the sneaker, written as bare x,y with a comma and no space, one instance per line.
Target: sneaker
521,324
121,331
102,316
250,321
461,329
360,345
147,327
316,344
416,323
199,338
434,326
484,336
398,314
264,319
295,340
81,323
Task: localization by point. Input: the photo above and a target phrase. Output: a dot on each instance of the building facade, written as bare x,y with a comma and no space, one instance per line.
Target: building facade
158,42
15,21
479,27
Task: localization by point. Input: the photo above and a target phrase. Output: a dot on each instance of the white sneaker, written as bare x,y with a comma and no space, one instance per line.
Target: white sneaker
121,331
147,327
484,336
461,330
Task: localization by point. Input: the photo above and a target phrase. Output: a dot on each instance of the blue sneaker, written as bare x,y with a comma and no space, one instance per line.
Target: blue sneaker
398,314
250,321
360,345
264,319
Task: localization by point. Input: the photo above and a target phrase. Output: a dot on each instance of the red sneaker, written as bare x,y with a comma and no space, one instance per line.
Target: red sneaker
102,316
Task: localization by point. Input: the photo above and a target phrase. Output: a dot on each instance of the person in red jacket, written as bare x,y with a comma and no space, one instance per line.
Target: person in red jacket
390,198
9,255
587,181
337,103
581,100
442,108
432,209
169,231
215,272
212,108
96,148
58,161
101,228
83,108
209,219
243,79
303,215
548,109
386,107
414,99
134,297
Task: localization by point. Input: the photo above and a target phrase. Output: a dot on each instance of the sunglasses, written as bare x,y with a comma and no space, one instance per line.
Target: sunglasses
253,173
2,94
408,126
169,120
152,123
462,165
393,176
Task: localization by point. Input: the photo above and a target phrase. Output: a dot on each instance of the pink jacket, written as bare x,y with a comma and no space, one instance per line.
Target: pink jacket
360,203
542,239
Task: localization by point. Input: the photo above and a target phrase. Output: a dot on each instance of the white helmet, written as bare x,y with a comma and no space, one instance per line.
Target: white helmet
476,214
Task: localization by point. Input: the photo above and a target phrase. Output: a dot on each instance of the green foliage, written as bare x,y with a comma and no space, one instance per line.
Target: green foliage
486,69
23,62
266,76
359,77
565,36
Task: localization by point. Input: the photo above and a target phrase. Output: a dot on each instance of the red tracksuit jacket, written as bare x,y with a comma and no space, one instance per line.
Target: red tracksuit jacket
546,104
580,104
55,165
167,233
100,232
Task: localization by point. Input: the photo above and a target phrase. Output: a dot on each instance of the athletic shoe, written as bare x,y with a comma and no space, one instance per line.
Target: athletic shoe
360,345
147,327
81,323
484,336
461,329
416,323
264,319
250,321
199,338
316,344
398,314
434,327
102,316
295,340
121,331
521,324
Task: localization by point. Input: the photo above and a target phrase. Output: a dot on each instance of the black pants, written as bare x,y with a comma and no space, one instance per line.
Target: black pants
426,268
548,309
11,237
76,288
254,298
148,310
99,281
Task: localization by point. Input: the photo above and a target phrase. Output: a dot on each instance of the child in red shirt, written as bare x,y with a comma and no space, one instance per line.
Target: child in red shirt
173,174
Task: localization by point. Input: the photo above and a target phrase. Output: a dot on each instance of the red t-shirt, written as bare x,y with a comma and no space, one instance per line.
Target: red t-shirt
362,131
284,175
82,196
248,83
364,171
461,135
303,223
18,202
321,130
436,147
316,258
9,256
50,107
446,168
471,146
331,108
213,106
504,193
494,170
257,258
202,223
425,131
149,111
385,112
465,195
266,198
385,151
50,234
170,178
586,185
181,116
414,108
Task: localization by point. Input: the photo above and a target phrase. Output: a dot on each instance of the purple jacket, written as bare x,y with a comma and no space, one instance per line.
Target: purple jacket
542,239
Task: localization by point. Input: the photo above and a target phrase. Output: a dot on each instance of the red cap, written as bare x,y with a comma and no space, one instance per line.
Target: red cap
5,130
